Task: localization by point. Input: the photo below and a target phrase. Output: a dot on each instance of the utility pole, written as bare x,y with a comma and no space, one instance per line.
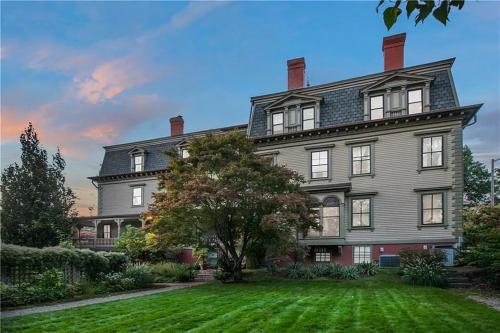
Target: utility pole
493,180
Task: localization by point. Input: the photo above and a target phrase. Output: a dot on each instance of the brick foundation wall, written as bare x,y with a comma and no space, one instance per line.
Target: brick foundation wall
186,256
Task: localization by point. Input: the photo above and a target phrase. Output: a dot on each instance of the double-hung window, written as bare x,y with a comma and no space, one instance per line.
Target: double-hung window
377,107
319,164
361,160
106,231
322,255
278,124
307,118
137,197
361,215
138,163
432,151
415,101
362,254
432,208
184,153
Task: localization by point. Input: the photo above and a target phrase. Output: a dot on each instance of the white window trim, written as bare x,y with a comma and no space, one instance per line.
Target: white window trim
365,247
142,196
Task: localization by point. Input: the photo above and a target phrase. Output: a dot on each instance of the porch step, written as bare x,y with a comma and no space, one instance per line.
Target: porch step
460,285
205,275
458,279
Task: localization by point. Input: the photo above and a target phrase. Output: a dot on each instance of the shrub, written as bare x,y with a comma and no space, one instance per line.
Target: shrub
117,262
481,246
18,260
132,242
294,271
423,267
425,273
169,271
201,256
46,287
141,274
349,273
367,268
335,271
321,270
185,273
116,282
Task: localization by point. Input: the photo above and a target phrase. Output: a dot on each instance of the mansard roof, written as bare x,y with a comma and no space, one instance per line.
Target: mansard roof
116,163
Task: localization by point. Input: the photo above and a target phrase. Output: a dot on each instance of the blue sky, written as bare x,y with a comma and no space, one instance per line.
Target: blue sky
89,74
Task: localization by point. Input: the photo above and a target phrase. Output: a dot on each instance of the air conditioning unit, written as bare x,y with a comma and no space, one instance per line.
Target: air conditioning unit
389,261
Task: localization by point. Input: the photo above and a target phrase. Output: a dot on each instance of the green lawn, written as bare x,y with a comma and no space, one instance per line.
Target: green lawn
379,304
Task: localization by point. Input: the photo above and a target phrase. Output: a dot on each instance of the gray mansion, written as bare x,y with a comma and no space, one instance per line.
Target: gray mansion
382,153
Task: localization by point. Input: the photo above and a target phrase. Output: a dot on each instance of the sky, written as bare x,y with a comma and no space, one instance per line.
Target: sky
88,74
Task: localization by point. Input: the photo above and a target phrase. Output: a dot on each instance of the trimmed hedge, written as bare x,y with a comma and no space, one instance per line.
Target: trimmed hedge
20,264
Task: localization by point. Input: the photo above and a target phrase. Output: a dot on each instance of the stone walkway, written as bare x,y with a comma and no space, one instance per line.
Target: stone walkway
491,301
98,300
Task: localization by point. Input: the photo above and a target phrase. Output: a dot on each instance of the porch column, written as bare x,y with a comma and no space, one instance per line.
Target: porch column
95,229
119,224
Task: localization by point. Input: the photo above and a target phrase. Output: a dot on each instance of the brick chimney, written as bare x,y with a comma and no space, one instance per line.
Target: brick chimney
176,126
394,50
296,73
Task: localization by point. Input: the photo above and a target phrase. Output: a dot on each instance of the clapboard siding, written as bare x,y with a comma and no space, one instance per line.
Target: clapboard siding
396,174
115,198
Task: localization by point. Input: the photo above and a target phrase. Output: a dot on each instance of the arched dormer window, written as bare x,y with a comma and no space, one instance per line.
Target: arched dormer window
137,159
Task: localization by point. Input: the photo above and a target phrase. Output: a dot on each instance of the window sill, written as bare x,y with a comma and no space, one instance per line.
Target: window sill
137,206
444,168
360,228
440,225
362,175
328,179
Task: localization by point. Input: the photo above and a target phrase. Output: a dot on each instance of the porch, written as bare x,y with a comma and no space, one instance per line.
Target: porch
101,232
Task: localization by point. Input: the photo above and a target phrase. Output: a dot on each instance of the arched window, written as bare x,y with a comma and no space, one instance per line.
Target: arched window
331,217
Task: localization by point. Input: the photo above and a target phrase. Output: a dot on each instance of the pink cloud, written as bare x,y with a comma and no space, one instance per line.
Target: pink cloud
112,78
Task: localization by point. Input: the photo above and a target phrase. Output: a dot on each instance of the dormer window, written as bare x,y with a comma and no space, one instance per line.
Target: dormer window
415,101
377,107
278,124
307,118
292,113
138,163
184,153
397,95
137,157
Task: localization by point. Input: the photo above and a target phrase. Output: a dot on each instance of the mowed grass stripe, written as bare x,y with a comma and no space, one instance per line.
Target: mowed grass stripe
380,304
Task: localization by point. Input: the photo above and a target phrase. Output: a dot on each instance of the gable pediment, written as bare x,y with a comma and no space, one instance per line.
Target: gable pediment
136,150
292,99
398,80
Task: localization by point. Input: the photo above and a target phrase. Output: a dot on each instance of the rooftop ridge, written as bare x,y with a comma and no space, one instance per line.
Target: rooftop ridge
448,61
171,139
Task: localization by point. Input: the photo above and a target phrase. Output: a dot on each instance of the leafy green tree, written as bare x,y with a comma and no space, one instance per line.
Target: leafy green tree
225,190
36,203
476,179
481,245
439,9
132,242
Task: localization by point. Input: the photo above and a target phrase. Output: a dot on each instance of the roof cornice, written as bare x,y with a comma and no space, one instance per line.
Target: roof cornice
466,113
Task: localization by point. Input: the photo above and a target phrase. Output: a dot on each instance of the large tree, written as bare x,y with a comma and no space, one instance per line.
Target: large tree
476,179
36,203
225,192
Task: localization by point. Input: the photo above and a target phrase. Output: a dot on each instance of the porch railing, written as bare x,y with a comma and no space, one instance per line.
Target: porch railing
94,242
